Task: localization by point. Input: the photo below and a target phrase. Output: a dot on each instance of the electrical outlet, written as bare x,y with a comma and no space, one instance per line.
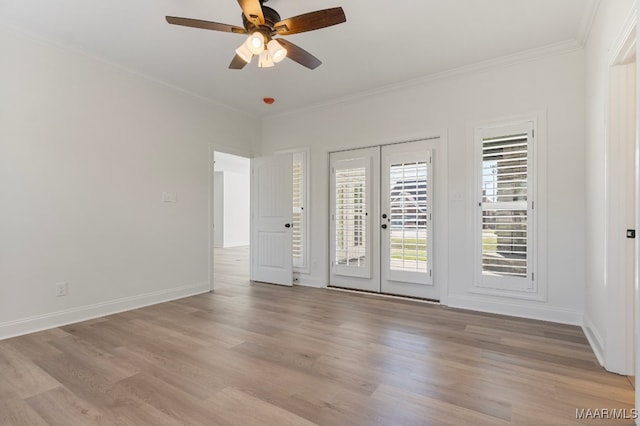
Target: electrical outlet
61,289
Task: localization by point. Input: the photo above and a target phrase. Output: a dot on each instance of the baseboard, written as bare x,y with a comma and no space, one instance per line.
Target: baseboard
305,280
514,309
56,319
595,340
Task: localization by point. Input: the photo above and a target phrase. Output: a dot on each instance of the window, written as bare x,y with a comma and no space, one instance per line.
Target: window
505,233
350,221
409,216
300,211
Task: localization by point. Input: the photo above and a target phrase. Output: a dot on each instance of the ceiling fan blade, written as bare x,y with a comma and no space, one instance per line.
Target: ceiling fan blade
207,25
299,55
311,21
253,11
237,63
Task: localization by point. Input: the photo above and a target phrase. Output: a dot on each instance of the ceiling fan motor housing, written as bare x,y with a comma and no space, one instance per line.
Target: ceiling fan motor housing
271,17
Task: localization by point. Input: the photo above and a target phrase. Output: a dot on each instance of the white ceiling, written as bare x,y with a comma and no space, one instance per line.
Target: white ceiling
382,42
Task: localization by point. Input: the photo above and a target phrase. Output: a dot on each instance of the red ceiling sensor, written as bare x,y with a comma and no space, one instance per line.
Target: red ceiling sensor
268,101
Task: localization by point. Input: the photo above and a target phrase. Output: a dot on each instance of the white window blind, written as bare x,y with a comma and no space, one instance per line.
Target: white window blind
409,216
300,214
350,211
298,209
506,245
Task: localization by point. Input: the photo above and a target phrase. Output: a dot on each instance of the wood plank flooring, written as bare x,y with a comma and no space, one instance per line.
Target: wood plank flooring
257,354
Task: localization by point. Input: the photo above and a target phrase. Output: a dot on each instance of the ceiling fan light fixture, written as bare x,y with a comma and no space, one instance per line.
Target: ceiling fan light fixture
260,23
244,53
265,60
277,52
255,43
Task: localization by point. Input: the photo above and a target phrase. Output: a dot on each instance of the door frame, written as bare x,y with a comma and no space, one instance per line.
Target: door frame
440,154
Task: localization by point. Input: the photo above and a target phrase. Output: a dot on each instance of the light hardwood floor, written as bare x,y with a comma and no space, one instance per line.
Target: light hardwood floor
257,354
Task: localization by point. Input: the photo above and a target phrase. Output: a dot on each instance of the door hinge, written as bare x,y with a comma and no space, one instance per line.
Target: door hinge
430,216
533,133
533,276
430,272
533,205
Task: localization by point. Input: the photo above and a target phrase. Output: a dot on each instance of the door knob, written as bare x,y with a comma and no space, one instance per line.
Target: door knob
383,226
287,225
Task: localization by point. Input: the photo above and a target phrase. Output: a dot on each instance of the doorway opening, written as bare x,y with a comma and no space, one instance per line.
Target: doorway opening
231,219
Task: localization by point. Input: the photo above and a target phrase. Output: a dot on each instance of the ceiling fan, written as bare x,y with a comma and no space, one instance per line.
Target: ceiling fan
262,23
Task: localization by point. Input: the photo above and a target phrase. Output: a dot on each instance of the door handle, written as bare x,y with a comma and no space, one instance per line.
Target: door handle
287,225
383,226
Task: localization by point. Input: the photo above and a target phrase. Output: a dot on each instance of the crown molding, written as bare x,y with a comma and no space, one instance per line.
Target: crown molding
623,49
588,17
508,60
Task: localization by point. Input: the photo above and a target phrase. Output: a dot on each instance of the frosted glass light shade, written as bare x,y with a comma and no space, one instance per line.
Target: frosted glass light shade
244,52
255,43
278,53
265,60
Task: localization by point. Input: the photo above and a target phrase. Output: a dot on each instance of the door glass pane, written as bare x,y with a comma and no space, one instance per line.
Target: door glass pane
351,202
408,217
504,205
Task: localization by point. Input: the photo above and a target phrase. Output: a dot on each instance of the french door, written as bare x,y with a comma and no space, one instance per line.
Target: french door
382,220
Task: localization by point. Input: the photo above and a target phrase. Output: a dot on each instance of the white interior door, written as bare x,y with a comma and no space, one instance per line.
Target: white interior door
271,219
381,220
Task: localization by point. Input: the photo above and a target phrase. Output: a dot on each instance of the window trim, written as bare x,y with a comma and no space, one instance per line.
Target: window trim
526,288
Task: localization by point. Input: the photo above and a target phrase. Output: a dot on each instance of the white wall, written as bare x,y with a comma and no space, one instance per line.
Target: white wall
231,206
607,25
232,200
551,86
237,198
86,149
218,209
